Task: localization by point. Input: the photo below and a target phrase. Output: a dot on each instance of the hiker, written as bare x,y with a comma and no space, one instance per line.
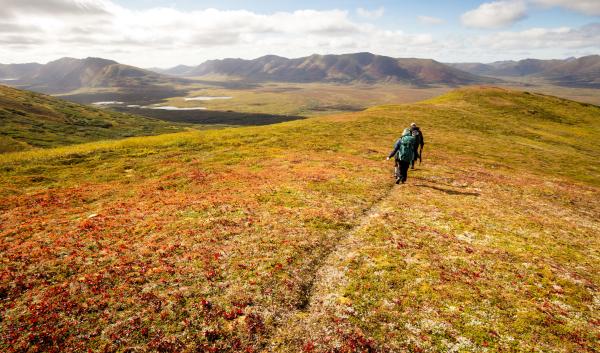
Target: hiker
420,141
404,151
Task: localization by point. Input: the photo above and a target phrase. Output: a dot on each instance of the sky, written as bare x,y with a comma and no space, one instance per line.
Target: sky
165,33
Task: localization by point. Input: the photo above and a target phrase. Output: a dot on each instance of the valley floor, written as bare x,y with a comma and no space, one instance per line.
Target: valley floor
294,238
266,102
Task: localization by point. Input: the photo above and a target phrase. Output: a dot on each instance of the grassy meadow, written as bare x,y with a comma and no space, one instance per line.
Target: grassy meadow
317,99
294,238
305,99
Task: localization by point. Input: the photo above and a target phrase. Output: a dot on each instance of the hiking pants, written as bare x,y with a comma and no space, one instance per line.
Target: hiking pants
402,169
412,163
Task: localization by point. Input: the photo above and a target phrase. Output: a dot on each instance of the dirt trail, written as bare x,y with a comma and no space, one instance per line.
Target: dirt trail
309,322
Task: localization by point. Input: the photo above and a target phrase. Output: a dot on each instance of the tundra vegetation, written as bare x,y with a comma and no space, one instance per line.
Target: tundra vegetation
293,237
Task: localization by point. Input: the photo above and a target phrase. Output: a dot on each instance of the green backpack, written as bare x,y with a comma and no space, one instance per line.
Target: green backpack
407,148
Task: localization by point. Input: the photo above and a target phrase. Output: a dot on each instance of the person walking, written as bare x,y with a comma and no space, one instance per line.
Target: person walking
420,142
403,153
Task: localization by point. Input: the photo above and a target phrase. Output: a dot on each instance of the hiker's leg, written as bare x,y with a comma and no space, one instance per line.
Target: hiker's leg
398,171
404,169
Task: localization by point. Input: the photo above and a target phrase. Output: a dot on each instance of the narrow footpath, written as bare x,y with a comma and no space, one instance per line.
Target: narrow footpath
324,300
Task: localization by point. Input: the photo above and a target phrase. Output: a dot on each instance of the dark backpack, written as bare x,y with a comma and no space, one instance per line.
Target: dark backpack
418,136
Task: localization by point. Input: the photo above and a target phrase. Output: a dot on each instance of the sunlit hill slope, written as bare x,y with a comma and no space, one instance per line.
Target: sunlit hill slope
294,238
31,120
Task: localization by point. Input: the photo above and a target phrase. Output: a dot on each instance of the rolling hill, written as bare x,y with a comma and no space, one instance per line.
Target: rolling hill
69,74
359,67
294,238
31,120
577,72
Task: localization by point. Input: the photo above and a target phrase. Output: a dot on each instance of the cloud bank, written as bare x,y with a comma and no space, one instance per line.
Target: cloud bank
43,30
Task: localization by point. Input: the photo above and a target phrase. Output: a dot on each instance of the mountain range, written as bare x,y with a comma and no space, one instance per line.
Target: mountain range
69,74
579,72
358,67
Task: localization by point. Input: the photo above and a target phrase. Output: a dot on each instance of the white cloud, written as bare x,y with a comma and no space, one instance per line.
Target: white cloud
540,39
587,7
495,14
430,20
370,14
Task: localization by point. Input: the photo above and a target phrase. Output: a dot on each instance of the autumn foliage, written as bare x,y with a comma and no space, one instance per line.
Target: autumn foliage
220,241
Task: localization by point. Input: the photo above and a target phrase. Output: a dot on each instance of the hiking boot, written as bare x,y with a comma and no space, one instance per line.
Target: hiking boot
398,180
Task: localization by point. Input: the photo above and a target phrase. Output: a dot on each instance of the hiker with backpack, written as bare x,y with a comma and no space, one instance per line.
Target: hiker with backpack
420,141
404,154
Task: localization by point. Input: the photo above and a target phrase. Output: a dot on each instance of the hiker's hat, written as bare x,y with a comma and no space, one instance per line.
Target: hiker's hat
413,125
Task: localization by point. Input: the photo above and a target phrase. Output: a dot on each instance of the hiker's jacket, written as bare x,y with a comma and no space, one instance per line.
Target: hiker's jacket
420,141
405,148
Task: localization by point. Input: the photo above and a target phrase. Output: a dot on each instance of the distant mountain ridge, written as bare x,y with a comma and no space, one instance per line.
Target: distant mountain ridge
175,71
363,67
580,72
9,72
68,74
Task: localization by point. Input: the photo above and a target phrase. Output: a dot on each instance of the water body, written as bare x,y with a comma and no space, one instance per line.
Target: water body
163,107
205,98
8,79
107,103
168,107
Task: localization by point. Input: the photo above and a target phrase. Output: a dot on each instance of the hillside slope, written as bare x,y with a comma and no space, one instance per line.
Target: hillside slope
294,238
362,67
30,119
